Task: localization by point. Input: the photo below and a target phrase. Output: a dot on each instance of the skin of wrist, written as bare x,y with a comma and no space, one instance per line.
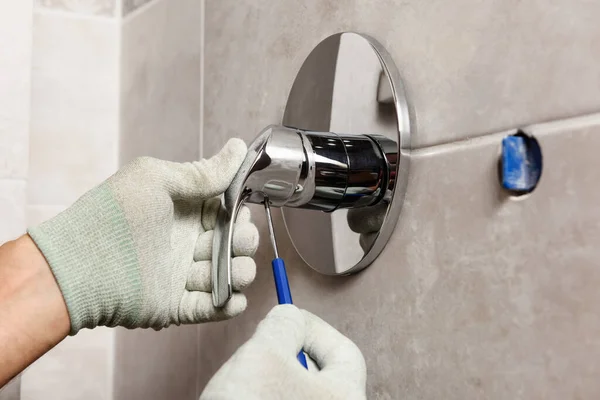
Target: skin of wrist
33,314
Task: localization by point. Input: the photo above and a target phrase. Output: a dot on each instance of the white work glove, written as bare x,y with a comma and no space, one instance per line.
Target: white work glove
266,366
135,251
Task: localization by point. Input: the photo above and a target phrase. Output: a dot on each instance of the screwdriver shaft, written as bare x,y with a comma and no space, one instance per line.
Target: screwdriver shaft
282,285
271,229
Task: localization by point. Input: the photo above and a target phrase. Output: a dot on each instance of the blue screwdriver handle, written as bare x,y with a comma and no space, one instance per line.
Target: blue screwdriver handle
284,295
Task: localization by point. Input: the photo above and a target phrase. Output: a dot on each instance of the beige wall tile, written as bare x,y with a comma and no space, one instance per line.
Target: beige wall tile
38,214
74,115
477,295
15,73
73,147
84,7
80,367
156,365
12,209
471,67
160,82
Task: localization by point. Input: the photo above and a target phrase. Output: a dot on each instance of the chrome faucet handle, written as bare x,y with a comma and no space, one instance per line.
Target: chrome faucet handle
272,169
233,199
222,253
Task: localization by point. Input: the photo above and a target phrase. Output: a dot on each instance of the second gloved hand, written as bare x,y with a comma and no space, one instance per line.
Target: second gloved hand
266,366
135,251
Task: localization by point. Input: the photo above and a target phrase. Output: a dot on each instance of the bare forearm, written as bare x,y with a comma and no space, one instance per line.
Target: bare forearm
33,315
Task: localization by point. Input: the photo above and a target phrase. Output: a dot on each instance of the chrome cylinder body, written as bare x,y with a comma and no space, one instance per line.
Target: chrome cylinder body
319,170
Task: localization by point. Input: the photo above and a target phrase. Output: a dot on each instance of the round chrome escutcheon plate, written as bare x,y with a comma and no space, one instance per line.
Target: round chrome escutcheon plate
349,84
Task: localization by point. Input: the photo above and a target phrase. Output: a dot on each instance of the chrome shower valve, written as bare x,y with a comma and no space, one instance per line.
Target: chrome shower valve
316,175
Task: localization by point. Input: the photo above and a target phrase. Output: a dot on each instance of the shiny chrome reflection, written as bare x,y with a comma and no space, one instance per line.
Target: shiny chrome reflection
350,84
294,168
341,192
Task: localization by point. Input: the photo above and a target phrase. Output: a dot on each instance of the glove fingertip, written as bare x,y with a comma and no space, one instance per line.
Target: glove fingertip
236,305
333,351
236,146
243,272
287,311
282,330
216,174
245,239
244,215
232,155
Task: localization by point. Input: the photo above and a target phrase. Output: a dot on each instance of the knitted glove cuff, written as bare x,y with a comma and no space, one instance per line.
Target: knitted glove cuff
80,245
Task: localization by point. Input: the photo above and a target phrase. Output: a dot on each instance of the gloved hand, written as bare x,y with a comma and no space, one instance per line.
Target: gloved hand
266,366
135,251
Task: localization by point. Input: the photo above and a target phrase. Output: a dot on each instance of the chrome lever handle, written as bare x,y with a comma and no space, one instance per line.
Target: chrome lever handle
221,264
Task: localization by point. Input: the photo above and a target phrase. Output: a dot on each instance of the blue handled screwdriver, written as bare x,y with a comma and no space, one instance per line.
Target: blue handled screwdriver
282,285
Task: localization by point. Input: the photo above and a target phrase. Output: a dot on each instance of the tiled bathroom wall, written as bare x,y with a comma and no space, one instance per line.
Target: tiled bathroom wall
73,146
478,294
15,61
91,85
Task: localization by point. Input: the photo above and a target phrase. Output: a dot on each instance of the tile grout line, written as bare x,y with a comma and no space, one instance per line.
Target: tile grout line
29,66
200,155
116,154
71,14
117,15
580,120
118,73
23,180
118,10
202,47
450,146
